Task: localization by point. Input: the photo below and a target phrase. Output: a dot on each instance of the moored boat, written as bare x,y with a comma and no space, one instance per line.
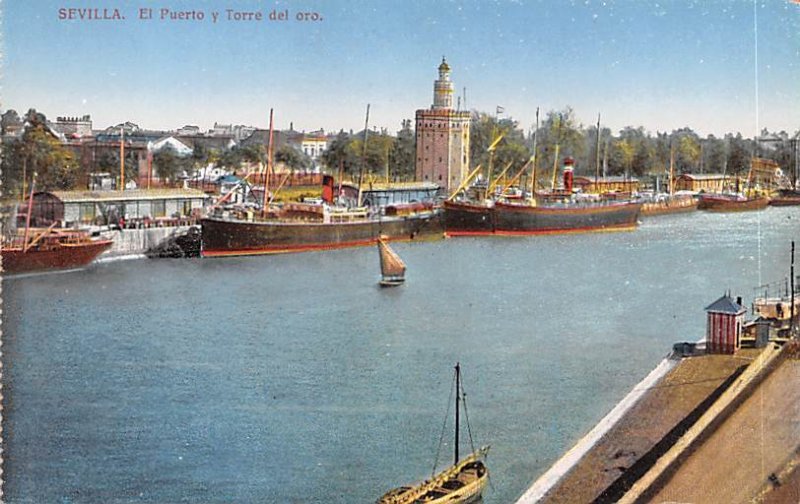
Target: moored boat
461,483
669,204
786,197
231,232
48,249
735,201
51,250
571,216
523,218
557,210
300,227
731,202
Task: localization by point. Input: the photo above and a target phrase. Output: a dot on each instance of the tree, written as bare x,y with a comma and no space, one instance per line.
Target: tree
167,164
109,162
715,154
292,158
686,144
689,149
560,129
512,148
340,154
403,153
642,157
626,150
10,120
200,155
38,151
739,155
374,160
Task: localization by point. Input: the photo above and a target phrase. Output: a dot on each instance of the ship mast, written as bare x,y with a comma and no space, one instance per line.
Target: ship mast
265,201
122,157
458,400
671,168
792,297
533,158
555,160
597,155
363,158
28,217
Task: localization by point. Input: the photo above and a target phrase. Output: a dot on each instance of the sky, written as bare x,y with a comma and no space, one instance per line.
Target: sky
714,66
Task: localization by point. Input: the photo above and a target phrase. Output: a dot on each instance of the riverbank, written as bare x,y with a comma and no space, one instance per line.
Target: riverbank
146,242
703,417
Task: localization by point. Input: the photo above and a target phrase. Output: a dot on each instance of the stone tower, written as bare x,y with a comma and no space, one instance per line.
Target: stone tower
442,137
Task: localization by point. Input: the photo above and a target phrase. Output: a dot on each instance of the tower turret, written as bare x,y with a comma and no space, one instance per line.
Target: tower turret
443,88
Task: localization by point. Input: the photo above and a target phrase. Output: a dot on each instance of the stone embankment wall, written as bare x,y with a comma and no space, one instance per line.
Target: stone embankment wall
643,490
137,242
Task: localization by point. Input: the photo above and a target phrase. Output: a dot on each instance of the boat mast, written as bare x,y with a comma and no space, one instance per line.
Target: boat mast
491,150
555,160
28,217
597,155
387,165
122,158
671,168
363,158
792,297
265,201
533,157
458,400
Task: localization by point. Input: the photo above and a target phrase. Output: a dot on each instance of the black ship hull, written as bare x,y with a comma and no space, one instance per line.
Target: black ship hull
468,219
231,237
464,219
514,219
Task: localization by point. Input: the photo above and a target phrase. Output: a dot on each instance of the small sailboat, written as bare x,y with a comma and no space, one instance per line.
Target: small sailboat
393,269
461,483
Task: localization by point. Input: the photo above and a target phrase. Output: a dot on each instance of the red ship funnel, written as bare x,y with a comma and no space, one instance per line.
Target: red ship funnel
327,188
568,167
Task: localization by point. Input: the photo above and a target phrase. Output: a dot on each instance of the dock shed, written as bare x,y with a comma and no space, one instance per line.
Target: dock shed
75,208
611,184
708,182
725,321
396,193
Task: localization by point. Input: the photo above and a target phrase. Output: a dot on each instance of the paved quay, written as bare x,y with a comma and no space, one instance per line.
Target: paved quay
731,421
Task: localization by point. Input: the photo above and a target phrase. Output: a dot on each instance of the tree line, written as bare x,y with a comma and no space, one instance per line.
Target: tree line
630,152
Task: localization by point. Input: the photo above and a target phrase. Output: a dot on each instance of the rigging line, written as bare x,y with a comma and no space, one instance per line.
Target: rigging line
444,426
755,138
466,416
469,429
755,37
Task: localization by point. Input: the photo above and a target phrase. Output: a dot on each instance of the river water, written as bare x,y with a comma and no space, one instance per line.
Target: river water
296,379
